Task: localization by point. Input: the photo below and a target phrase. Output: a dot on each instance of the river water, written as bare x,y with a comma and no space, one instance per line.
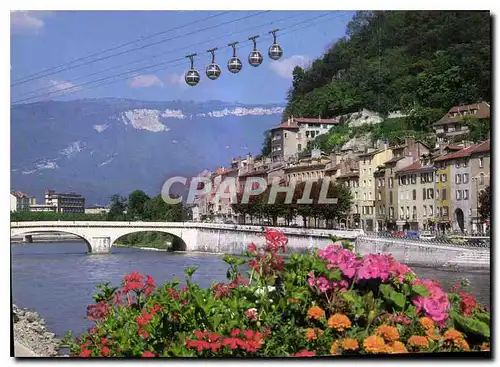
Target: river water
58,279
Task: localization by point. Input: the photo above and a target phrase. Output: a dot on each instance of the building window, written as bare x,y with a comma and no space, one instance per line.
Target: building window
458,178
364,183
424,193
413,179
402,212
390,197
369,183
286,135
437,194
383,181
459,195
414,193
379,195
445,211
425,210
444,177
401,196
430,193
369,170
369,196
391,212
465,178
356,209
414,212
443,197
431,211
391,182
481,178
470,212
356,195
364,196
457,164
407,212
364,171
481,162
299,147
466,194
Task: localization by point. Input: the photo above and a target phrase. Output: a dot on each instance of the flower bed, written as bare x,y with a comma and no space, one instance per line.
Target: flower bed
330,302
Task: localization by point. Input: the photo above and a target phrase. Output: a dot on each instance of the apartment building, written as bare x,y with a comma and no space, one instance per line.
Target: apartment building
452,127
65,202
416,194
368,164
20,201
351,180
479,179
291,137
306,169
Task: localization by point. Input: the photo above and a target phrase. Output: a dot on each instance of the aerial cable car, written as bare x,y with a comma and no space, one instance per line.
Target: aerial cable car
234,64
275,51
213,70
192,76
255,57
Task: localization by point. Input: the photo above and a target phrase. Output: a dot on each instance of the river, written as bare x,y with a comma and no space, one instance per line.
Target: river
58,279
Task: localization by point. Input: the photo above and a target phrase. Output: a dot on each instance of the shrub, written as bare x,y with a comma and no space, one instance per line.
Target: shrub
330,302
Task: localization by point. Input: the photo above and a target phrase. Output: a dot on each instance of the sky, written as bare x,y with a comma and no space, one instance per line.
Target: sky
46,40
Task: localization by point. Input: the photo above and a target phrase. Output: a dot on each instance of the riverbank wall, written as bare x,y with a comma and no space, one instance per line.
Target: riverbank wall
31,337
434,255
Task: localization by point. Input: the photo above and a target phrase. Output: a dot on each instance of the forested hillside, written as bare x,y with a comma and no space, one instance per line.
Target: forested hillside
418,62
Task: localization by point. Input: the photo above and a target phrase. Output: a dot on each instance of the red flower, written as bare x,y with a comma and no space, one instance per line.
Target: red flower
235,332
105,351
248,334
304,353
85,353
173,293
143,333
200,334
468,303
230,342
92,330
104,341
221,290
98,311
213,337
148,354
252,248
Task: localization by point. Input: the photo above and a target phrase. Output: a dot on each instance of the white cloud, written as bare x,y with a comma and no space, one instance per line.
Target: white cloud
145,81
284,68
177,79
62,86
26,21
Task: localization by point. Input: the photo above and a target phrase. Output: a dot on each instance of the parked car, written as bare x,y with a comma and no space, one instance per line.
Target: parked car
412,235
398,234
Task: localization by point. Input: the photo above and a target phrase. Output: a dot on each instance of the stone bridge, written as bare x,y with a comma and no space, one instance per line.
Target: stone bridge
187,236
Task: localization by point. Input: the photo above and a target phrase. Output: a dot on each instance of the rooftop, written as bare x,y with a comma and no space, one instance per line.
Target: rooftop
456,113
465,152
349,175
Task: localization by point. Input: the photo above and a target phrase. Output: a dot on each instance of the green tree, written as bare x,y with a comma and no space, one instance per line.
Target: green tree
156,209
117,208
485,203
479,129
266,144
136,202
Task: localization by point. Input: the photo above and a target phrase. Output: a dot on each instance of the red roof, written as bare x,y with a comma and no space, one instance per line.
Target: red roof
19,194
483,147
453,147
286,125
412,167
460,154
315,121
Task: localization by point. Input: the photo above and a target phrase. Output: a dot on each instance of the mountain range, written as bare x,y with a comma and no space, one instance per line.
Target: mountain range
99,147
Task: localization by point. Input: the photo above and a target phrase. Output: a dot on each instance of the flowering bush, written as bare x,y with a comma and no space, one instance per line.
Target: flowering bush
330,302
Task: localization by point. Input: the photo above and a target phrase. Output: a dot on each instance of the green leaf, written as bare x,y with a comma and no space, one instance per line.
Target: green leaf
190,270
484,317
392,296
420,289
471,325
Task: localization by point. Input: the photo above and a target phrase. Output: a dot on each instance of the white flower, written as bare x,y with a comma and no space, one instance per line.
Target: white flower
270,289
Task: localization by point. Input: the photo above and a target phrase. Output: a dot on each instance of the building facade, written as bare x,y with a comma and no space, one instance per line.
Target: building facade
479,180
20,201
65,202
292,136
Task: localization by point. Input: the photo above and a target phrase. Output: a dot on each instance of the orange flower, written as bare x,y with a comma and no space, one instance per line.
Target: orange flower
398,348
426,323
335,349
418,341
375,344
431,334
452,334
350,344
462,344
312,334
316,313
389,333
339,322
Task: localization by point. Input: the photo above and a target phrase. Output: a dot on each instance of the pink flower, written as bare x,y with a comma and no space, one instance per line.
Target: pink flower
304,353
252,314
436,305
323,284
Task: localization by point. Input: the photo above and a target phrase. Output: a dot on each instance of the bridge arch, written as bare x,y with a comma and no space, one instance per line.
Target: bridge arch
178,244
21,232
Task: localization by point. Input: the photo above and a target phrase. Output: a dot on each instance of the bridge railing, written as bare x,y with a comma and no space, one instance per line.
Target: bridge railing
475,241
